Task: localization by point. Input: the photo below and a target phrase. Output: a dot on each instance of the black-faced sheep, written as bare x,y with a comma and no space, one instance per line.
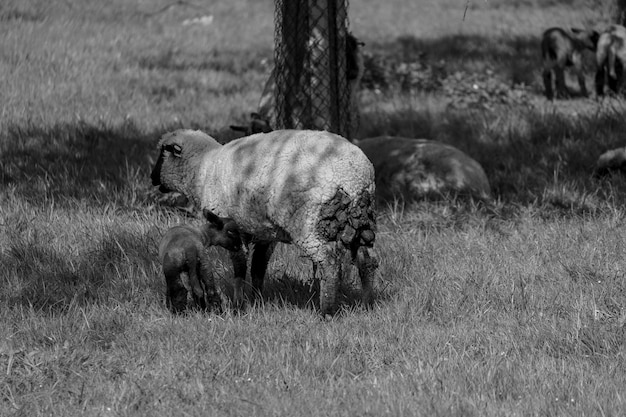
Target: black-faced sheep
561,48
185,262
311,188
610,59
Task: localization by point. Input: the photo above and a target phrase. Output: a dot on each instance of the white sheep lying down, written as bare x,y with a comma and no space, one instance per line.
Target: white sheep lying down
311,188
182,252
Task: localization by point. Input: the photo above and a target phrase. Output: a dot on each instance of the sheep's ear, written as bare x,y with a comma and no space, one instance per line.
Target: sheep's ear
212,218
174,148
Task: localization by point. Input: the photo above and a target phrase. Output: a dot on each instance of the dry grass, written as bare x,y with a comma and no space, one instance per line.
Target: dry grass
513,309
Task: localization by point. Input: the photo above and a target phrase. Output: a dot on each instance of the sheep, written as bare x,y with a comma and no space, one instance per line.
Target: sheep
411,169
313,189
182,252
610,59
560,49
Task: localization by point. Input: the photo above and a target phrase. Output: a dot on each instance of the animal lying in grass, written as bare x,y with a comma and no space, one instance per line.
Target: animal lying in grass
310,188
410,169
185,261
610,59
613,160
561,48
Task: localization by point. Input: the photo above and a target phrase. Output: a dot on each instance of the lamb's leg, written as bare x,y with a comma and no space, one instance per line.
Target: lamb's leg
619,76
547,83
239,260
260,258
561,88
367,266
179,293
329,265
600,78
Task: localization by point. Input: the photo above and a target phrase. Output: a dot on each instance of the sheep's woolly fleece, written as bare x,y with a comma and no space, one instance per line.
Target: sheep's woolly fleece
283,185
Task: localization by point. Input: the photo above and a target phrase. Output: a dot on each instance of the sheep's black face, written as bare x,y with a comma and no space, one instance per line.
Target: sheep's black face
156,171
166,151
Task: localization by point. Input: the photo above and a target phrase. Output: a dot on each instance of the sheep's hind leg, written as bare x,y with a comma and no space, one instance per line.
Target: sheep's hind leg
260,258
329,265
367,266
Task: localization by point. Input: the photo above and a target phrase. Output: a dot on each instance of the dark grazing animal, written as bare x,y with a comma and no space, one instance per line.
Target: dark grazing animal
182,252
610,59
561,48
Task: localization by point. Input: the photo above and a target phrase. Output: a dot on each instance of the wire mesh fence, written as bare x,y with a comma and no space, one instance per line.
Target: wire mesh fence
311,89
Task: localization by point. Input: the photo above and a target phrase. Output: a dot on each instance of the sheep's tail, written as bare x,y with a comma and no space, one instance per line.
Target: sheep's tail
350,221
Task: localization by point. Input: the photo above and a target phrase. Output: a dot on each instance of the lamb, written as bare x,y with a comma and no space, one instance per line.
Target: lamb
560,49
610,59
311,188
182,253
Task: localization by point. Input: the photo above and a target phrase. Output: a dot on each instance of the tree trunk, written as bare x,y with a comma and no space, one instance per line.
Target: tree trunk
620,12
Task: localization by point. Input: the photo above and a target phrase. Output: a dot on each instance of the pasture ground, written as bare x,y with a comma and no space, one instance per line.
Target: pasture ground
515,308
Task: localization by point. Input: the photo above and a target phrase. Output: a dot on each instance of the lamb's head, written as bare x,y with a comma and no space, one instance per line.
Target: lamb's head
222,231
180,153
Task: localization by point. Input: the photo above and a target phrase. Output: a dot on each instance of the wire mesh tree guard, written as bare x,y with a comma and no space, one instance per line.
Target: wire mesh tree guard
311,88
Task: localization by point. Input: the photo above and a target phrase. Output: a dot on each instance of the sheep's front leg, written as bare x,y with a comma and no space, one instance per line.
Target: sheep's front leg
210,296
239,260
260,258
367,266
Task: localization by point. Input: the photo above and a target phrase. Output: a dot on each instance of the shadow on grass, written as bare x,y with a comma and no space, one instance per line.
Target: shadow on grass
291,290
528,154
67,163
515,59
39,276
531,151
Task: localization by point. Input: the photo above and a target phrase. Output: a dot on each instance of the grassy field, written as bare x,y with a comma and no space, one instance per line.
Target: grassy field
515,308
